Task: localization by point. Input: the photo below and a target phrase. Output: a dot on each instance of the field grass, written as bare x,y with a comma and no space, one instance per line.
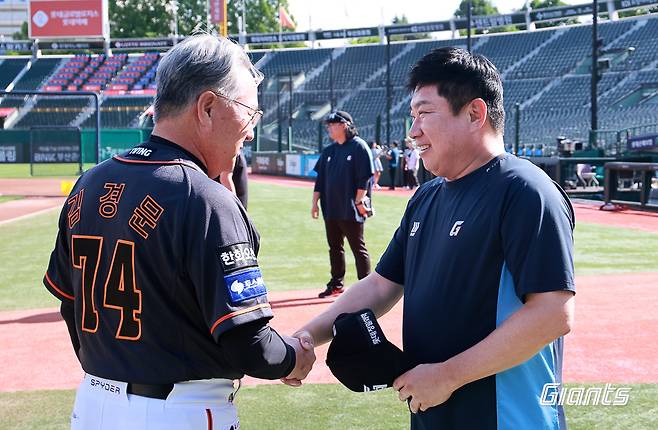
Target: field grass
326,407
22,170
294,256
294,253
9,198
293,246
602,250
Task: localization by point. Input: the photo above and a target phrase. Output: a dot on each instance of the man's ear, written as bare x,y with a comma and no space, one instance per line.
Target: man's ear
477,111
204,106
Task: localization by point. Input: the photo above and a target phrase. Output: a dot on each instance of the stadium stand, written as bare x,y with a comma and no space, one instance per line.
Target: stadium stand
294,61
39,71
67,73
58,111
120,111
31,80
547,72
9,69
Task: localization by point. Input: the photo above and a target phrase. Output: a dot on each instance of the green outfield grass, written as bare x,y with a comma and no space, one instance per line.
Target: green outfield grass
293,246
22,170
8,198
294,256
324,407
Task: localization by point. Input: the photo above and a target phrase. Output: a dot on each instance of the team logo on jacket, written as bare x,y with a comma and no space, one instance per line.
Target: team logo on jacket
455,228
414,228
245,285
349,158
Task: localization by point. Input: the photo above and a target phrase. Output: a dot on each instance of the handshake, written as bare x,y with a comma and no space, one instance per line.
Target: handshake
304,357
359,355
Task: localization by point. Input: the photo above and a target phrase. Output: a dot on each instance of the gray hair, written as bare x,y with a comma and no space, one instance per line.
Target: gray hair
197,64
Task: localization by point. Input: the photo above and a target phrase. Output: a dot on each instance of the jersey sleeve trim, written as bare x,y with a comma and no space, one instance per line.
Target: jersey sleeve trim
54,289
236,313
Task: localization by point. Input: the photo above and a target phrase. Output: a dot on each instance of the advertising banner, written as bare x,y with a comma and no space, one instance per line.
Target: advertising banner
272,163
308,163
11,154
218,11
293,164
68,19
641,143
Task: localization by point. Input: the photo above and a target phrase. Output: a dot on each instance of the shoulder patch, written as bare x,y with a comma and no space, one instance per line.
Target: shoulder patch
245,285
237,257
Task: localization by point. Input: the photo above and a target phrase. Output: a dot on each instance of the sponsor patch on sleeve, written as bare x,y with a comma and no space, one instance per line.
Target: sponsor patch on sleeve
237,257
245,285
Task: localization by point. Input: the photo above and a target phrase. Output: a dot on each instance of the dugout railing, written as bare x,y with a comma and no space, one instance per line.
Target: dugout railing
632,184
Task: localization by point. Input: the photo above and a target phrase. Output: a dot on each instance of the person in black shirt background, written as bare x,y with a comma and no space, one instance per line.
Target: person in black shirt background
236,180
344,179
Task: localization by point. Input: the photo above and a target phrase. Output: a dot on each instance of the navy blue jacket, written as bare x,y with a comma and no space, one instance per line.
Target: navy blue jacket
468,252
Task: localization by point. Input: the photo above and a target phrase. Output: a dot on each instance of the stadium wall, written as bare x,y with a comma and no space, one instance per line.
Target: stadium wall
15,144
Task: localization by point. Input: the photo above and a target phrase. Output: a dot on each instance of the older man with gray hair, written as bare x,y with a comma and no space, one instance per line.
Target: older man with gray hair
156,264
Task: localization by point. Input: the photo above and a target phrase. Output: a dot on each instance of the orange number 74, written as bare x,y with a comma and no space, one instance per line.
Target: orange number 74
120,291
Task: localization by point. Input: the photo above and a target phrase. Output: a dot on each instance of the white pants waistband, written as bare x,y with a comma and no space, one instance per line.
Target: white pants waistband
212,392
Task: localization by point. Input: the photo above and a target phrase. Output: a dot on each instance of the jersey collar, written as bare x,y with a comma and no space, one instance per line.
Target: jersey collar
162,141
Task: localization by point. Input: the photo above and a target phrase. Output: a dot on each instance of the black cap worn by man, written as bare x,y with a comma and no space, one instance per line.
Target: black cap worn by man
361,357
340,116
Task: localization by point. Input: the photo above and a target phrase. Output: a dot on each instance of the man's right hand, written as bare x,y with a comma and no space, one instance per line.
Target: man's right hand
315,211
305,357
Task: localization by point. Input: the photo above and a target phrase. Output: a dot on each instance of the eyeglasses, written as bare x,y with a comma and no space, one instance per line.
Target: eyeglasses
256,113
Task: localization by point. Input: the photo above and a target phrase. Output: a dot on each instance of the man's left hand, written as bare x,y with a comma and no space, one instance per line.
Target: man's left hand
426,385
364,208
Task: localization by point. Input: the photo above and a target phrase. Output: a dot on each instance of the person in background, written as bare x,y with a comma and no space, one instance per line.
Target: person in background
344,175
236,180
411,158
393,157
377,163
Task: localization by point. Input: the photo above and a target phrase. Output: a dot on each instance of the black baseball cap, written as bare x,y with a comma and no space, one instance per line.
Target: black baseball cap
339,116
361,357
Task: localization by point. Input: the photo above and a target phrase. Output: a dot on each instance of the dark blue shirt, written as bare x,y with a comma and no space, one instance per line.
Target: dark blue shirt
468,252
394,153
342,170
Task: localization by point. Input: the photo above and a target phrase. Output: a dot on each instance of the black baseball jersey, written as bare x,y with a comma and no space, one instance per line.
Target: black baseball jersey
160,261
468,252
342,169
